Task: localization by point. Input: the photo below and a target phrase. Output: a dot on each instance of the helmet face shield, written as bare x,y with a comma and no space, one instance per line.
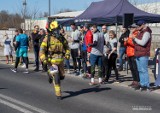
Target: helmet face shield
52,25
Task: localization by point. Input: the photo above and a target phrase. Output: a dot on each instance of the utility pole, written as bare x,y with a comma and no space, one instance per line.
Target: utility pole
24,12
49,6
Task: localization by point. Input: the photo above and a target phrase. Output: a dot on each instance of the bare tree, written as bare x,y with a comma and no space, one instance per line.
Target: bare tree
30,14
156,8
15,20
9,20
145,6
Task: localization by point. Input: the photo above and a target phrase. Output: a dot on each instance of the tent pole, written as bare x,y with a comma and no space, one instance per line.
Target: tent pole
116,27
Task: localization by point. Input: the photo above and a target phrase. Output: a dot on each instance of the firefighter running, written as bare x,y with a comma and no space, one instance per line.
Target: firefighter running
53,50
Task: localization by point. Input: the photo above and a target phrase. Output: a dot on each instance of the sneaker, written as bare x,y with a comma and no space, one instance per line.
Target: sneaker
68,71
77,73
92,83
117,81
104,81
36,69
12,63
137,87
20,63
120,69
152,88
100,81
44,70
130,85
14,70
23,66
84,75
50,80
26,71
88,75
149,89
143,88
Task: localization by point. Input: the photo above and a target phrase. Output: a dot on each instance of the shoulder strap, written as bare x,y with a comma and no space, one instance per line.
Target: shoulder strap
48,43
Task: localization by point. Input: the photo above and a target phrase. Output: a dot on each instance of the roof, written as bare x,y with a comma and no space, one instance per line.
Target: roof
112,11
68,14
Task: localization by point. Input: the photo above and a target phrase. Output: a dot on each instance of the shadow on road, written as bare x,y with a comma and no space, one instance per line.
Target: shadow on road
3,88
3,67
83,91
123,78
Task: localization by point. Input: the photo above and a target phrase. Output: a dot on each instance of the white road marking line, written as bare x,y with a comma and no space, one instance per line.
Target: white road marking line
15,107
23,104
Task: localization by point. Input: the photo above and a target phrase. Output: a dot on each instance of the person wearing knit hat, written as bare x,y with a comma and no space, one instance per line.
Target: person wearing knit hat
141,22
142,52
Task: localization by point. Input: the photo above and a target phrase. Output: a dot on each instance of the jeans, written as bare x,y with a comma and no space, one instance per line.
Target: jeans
142,64
67,63
95,59
122,51
36,53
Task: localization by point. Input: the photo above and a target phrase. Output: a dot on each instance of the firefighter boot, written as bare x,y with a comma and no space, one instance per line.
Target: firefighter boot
58,91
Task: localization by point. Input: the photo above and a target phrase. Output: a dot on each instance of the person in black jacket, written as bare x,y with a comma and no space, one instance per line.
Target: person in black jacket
35,39
42,35
122,49
14,38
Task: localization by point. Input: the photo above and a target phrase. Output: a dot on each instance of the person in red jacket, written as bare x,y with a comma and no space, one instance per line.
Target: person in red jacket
88,40
128,42
88,37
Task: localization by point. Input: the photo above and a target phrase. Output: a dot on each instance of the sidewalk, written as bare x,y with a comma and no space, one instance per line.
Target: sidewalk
124,77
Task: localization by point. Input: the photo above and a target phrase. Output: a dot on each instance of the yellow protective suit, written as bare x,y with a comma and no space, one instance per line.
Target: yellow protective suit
53,50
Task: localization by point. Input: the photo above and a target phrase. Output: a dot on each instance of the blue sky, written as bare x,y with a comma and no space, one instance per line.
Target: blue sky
15,6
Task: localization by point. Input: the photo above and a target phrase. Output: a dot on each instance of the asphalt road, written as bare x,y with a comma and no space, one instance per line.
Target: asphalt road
31,93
